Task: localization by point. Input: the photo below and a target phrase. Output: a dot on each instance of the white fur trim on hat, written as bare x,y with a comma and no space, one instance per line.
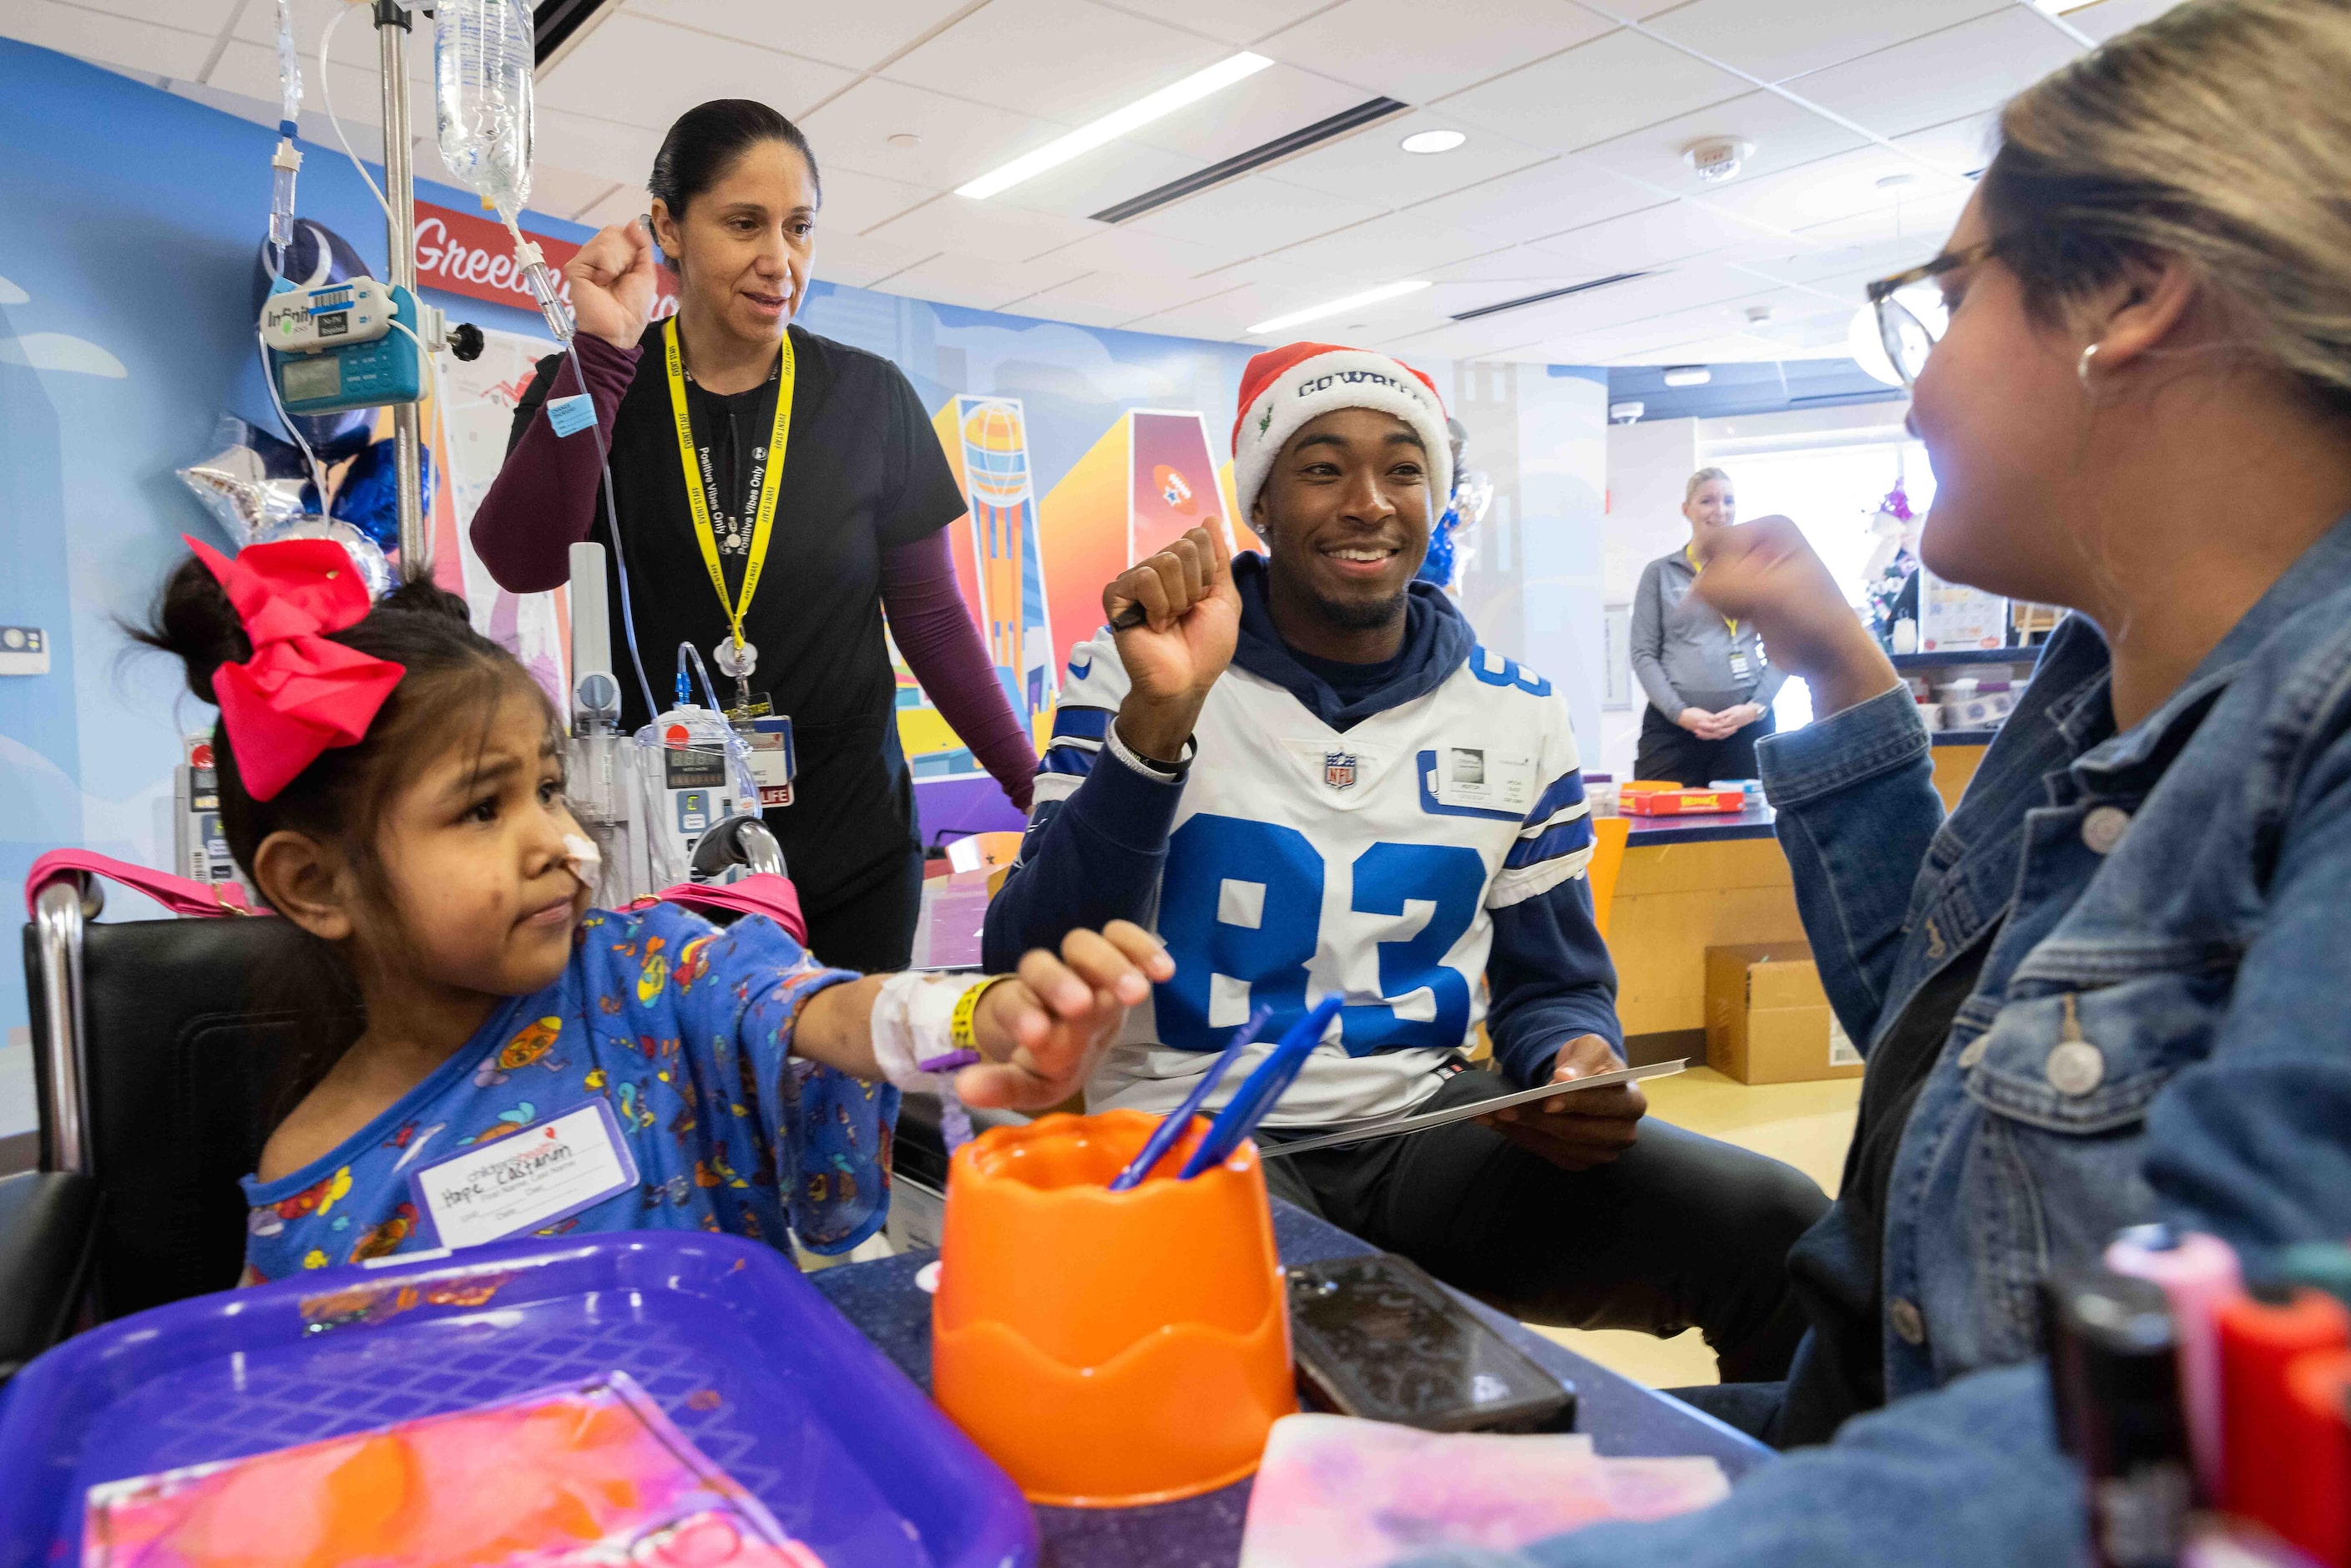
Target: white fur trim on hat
1348,378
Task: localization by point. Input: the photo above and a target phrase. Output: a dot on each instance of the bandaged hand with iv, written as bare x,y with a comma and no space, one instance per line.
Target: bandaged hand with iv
391,783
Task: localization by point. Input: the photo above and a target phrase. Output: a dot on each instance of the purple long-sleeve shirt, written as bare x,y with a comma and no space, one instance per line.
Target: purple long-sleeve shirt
544,501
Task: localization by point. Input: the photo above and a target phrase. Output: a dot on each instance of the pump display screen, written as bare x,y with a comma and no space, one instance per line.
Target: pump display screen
312,376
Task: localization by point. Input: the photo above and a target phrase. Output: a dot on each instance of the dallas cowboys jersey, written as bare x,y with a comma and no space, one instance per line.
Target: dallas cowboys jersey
1303,859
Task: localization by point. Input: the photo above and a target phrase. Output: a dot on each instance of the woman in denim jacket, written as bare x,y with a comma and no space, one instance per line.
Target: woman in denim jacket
2114,985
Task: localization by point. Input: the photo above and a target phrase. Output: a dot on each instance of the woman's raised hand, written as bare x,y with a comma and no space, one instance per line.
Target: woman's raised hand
1766,573
613,283
1043,1031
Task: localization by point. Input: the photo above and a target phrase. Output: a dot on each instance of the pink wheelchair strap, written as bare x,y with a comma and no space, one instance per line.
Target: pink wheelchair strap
762,893
180,895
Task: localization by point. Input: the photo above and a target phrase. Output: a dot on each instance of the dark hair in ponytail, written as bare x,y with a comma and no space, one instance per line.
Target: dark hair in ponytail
706,140
456,680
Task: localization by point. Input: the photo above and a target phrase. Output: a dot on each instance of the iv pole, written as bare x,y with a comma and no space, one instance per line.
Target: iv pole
392,29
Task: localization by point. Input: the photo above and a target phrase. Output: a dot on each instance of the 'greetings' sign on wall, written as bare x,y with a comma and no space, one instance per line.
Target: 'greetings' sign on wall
469,254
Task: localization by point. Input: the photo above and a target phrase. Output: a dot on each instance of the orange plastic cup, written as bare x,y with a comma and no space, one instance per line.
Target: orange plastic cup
1109,1349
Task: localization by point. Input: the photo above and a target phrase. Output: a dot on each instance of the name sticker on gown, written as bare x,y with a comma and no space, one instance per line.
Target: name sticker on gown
548,1171
1484,776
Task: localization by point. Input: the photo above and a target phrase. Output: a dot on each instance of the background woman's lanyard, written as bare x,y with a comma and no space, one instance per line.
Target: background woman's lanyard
1739,664
770,483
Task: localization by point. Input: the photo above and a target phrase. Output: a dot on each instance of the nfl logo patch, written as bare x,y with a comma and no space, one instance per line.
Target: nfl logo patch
1339,769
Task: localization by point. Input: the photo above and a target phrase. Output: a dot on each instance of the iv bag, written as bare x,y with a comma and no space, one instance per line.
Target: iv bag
482,88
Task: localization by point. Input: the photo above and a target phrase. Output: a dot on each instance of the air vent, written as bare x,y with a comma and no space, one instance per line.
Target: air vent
1547,294
1257,157
555,22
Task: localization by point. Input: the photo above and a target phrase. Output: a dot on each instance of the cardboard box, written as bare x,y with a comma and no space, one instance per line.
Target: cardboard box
1766,1018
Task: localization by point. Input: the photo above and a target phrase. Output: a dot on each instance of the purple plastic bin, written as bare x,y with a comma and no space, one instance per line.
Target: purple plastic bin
742,1353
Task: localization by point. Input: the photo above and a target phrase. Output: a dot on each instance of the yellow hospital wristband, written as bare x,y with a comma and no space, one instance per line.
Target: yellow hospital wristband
960,1033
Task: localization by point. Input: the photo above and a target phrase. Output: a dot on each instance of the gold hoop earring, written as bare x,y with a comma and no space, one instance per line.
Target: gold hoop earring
2081,366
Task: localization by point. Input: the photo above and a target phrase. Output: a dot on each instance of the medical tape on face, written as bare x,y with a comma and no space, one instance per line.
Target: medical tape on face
583,860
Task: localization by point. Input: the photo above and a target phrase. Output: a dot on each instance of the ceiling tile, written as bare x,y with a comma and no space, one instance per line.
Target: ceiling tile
860,262
599,146
1615,84
1483,339
1123,248
1945,75
975,281
1198,317
1251,112
1113,172
1775,39
620,207
251,70
1959,146
1507,272
1380,249
1566,192
855,202
647,73
564,192
1401,48
1106,299
1846,185
859,36
958,139
1674,231
112,40
207,17
1065,59
355,41
1373,163
1918,224
2109,18
1235,22
1784,137
1253,214
965,227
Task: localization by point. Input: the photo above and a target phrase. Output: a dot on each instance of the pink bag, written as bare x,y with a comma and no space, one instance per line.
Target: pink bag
760,893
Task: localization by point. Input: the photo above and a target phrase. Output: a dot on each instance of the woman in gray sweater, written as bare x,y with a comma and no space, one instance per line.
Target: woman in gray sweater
1709,685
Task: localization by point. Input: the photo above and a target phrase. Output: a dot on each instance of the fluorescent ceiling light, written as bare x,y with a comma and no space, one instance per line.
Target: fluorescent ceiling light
1116,123
1316,313
1689,375
1433,141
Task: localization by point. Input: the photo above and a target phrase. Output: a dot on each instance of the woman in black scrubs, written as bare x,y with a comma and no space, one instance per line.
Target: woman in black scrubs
778,569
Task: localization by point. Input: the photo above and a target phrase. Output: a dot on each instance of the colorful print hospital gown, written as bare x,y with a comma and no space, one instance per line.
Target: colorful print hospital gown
684,1032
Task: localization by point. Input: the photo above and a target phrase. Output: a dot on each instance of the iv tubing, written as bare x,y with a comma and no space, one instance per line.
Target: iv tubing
327,96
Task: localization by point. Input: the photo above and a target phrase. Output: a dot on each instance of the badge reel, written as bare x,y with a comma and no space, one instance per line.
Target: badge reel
769,736
737,660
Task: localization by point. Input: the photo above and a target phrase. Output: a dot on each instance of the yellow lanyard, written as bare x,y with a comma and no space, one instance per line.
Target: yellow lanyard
771,482
1695,569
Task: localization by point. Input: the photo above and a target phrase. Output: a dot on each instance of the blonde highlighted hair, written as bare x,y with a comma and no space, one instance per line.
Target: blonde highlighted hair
2218,135
1690,491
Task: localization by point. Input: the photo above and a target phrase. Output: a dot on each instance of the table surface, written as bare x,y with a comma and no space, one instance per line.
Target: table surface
1622,1417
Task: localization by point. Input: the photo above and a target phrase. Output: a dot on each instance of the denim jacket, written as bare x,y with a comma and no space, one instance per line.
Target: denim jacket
2160,1027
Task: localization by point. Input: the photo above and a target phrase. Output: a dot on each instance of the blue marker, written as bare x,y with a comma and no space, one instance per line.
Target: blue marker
1261,1089
1164,1136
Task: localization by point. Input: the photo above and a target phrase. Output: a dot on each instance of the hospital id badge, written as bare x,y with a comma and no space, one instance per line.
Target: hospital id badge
1485,778
773,762
1740,665
527,1180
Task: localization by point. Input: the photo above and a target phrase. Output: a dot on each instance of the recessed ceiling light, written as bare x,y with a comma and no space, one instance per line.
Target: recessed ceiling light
1116,123
1688,375
1433,141
903,138
1316,313
1895,182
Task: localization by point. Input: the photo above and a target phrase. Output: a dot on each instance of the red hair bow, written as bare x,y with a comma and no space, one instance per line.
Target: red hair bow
299,694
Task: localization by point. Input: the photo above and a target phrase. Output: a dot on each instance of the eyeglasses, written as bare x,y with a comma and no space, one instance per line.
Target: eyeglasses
1909,332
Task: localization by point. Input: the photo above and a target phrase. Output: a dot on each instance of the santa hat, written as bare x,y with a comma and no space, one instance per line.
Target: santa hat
1283,389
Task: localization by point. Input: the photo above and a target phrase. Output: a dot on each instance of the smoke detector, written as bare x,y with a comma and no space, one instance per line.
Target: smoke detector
1717,158
1627,412
1759,314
